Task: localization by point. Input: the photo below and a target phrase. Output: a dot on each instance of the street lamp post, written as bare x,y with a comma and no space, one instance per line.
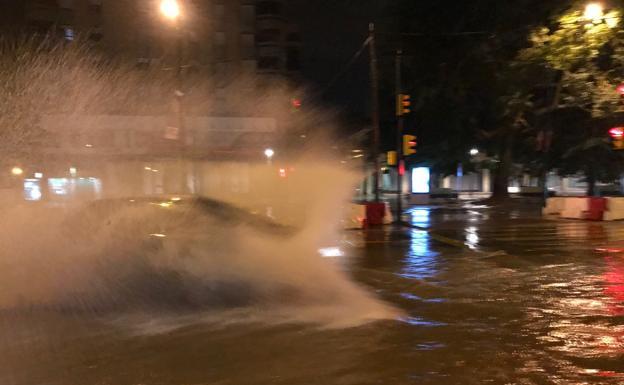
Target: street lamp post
171,11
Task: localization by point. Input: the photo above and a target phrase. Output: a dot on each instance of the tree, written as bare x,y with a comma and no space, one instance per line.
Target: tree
585,58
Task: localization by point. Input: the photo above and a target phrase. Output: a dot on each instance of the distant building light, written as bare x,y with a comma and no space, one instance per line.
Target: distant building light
69,34
421,178
73,171
38,175
32,190
17,171
331,252
269,153
474,152
88,145
147,168
282,172
513,190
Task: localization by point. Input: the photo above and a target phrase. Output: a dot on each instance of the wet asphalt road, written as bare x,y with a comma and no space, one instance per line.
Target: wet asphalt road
490,296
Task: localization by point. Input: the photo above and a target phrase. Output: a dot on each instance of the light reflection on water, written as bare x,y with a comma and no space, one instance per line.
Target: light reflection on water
421,261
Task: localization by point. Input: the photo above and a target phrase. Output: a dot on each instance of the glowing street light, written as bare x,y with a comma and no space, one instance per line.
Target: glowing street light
269,153
17,171
474,152
594,12
170,9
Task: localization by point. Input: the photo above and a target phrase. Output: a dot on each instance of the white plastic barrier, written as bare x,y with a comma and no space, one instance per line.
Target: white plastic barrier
355,215
615,209
388,216
575,208
554,206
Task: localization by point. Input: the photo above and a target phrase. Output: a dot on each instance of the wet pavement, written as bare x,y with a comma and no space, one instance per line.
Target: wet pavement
490,297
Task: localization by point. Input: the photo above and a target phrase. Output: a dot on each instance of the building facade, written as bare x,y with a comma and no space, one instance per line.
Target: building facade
225,38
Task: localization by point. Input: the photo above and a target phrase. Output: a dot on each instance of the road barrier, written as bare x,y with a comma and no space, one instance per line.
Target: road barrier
364,215
575,208
615,209
587,208
554,206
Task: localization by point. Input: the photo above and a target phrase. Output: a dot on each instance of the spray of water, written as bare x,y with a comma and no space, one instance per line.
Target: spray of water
71,260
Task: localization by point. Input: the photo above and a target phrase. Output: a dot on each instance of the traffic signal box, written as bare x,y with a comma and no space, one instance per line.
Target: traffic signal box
404,102
409,145
617,136
392,158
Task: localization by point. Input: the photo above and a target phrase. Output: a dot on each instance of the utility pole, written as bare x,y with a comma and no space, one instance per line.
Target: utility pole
374,106
179,93
399,136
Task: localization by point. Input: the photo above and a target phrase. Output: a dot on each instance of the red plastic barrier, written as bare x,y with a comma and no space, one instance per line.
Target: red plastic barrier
597,208
375,213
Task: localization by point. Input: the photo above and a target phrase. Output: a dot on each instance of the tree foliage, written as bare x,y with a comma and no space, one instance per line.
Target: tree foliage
582,61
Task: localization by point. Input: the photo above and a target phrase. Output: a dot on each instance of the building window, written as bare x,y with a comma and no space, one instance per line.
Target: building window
292,59
268,36
293,37
219,16
269,8
68,33
248,17
65,4
248,46
220,45
269,63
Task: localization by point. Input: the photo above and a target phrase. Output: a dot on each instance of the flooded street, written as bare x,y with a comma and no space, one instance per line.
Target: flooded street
524,301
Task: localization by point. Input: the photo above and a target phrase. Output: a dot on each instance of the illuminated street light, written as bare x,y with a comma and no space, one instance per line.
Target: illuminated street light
170,9
17,171
594,12
474,152
269,153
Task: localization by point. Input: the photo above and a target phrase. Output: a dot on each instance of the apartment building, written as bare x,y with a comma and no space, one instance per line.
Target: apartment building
225,38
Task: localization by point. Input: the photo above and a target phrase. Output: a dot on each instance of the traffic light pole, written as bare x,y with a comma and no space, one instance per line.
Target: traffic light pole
374,106
399,139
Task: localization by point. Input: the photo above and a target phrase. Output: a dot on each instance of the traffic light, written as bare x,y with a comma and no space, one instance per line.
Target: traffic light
409,145
403,104
296,104
617,134
392,158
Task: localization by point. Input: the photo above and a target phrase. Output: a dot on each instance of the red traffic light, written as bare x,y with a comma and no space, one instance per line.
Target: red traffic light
296,103
617,133
620,89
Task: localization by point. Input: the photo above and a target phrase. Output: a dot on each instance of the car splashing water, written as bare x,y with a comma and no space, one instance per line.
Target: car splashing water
123,261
